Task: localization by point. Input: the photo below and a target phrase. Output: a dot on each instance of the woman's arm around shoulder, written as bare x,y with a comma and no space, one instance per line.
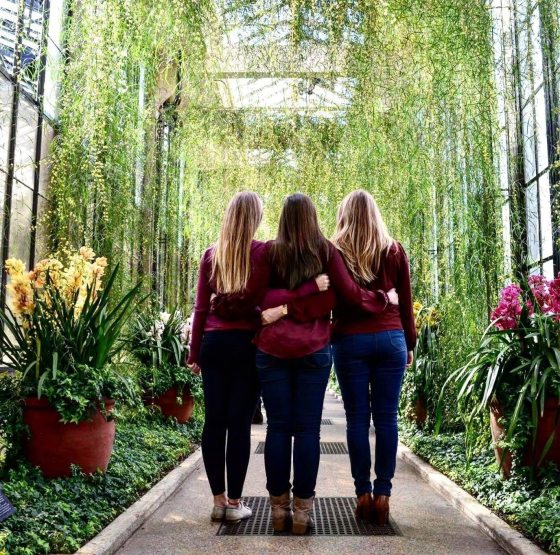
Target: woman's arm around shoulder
348,290
201,306
404,289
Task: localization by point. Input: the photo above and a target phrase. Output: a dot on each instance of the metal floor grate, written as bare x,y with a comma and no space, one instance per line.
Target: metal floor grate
326,422
327,448
333,516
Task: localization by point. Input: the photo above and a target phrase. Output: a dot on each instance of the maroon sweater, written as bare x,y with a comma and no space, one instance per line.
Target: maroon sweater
235,311
394,273
349,318
308,320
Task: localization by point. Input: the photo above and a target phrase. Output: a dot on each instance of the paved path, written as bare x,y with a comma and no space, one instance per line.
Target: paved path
428,523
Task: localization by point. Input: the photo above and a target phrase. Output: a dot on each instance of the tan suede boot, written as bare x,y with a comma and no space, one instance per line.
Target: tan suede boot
281,511
302,515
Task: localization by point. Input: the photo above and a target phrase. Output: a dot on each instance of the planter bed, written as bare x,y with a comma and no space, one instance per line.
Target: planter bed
58,516
533,509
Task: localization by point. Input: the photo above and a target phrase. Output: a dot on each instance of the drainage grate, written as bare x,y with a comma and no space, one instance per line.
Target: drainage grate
327,448
333,516
326,422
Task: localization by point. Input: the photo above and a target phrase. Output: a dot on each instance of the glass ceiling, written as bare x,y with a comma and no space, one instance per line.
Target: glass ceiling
260,68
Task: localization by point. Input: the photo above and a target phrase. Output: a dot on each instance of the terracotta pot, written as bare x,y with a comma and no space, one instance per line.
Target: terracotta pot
420,412
169,406
548,423
499,433
55,446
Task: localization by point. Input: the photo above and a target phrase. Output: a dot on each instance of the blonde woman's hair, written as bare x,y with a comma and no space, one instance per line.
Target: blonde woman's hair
231,260
361,235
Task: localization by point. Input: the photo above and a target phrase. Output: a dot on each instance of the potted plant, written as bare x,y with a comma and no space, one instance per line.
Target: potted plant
419,378
60,332
159,341
515,374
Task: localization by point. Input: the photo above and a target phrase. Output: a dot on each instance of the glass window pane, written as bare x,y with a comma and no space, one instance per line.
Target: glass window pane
528,129
546,217
24,156
54,55
533,236
8,25
523,49
548,270
536,46
6,91
20,225
541,130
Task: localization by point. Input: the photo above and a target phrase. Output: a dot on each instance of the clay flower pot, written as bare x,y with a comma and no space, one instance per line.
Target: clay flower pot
548,424
498,433
167,402
420,412
55,446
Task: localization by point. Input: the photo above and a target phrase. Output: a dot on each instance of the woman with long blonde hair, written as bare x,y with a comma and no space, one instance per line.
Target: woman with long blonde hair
233,279
222,349
371,351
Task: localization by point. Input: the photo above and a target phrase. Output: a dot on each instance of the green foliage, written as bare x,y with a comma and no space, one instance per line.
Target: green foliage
58,516
11,426
159,342
63,348
531,507
419,386
516,366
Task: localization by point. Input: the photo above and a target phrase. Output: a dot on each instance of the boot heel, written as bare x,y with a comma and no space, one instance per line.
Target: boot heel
281,512
380,510
300,528
302,521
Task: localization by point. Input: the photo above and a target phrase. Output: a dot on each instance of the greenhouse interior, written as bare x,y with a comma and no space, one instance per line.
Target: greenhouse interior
126,129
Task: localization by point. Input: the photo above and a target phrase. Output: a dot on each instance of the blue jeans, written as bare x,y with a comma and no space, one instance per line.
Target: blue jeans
370,369
293,392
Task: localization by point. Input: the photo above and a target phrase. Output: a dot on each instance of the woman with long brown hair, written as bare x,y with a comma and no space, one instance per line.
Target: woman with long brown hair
294,357
233,278
371,351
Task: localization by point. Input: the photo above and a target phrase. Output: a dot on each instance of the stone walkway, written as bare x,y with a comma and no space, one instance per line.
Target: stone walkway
427,522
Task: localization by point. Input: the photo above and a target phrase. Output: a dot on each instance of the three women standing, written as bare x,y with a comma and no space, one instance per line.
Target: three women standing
293,351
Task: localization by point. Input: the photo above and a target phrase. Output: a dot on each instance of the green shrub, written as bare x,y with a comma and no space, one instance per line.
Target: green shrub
58,516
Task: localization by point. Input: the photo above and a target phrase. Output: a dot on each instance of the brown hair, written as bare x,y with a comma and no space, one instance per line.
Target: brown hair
300,250
361,235
231,260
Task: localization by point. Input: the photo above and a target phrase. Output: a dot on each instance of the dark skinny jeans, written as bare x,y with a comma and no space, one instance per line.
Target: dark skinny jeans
231,391
293,391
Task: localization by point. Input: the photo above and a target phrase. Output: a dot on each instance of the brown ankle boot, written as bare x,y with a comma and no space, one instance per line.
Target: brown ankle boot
380,513
302,521
281,511
364,506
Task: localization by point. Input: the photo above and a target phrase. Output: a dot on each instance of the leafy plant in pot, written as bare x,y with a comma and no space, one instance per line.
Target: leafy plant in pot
418,387
515,375
159,341
60,332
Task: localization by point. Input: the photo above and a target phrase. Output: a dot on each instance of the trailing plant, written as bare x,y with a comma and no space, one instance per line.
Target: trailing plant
62,329
11,424
61,515
529,506
517,363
